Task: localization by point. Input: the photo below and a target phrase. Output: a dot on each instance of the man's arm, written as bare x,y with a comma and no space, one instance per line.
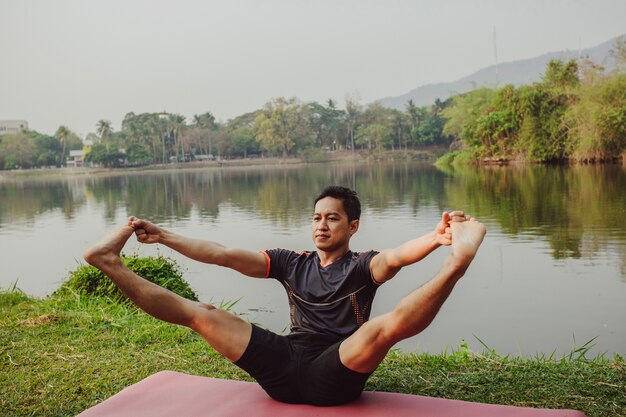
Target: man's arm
249,263
388,262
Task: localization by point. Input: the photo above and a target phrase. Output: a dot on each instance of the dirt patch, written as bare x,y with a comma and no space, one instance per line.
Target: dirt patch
41,320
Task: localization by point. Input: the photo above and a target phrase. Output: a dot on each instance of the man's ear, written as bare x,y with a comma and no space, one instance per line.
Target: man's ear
354,226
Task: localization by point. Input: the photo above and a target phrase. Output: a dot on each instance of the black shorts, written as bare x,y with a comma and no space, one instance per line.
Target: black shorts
300,369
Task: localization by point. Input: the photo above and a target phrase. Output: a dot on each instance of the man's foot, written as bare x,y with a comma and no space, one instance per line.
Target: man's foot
108,248
466,239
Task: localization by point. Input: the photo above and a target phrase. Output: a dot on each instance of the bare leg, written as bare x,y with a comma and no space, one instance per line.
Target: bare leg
227,333
367,347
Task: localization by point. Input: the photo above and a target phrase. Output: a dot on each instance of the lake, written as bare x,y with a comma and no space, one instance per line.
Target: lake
549,277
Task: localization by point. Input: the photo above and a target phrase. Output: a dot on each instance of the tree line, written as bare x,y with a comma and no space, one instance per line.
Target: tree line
577,111
284,127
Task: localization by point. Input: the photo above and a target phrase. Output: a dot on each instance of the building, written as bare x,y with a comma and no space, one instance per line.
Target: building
76,159
9,127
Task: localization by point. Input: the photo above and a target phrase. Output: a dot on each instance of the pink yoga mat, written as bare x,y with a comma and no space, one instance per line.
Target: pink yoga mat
175,394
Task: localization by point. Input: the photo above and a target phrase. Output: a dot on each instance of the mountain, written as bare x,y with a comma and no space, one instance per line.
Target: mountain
525,71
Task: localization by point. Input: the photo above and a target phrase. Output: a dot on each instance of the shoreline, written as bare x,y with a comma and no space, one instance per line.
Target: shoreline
338,156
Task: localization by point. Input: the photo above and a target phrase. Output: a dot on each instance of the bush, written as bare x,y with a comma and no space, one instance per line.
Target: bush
456,158
313,155
165,272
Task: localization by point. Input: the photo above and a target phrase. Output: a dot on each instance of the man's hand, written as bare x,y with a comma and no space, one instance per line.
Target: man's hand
145,231
443,234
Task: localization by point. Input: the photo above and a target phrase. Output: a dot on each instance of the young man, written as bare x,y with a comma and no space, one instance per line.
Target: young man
332,348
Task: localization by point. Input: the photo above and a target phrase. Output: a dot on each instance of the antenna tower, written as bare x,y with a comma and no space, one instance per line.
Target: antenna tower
495,54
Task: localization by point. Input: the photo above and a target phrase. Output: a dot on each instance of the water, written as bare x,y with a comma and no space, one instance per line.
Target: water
550,276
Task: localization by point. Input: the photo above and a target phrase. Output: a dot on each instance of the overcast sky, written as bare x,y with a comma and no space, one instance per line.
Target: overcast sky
74,62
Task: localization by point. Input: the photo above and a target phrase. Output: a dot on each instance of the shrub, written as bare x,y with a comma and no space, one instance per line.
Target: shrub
313,155
456,158
165,272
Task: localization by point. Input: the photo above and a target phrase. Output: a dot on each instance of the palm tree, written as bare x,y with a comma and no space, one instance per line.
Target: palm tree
353,110
178,127
412,111
206,122
63,134
104,129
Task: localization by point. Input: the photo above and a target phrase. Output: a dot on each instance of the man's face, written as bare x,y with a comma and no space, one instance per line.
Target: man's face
331,229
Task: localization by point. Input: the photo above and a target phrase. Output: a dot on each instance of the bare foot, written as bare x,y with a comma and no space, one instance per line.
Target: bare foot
108,248
466,239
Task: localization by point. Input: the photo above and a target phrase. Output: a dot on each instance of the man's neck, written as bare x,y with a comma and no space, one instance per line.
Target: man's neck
327,258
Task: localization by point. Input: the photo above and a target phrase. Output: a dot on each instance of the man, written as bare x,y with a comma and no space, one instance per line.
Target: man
332,348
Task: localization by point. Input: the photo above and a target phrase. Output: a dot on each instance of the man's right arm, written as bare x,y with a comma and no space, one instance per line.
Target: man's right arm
249,263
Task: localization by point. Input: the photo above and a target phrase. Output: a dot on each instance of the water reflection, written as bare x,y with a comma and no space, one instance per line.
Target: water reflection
576,209
22,200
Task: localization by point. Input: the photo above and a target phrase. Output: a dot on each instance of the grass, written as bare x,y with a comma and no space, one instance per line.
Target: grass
64,353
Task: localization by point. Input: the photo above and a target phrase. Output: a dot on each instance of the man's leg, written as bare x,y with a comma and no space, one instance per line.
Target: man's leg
367,347
228,334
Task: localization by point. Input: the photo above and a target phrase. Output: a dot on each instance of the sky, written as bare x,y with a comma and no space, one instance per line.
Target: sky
75,62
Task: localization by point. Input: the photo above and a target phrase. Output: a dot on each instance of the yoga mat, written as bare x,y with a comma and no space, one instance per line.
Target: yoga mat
176,394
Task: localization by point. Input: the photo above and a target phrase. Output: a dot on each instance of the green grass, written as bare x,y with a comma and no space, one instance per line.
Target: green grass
65,353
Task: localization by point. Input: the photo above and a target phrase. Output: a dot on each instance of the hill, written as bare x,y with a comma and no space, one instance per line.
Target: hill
520,72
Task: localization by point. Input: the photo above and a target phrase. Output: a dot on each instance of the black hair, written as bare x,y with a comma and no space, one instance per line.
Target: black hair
351,203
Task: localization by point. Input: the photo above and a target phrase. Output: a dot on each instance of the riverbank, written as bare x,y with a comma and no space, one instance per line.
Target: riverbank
428,154
63,354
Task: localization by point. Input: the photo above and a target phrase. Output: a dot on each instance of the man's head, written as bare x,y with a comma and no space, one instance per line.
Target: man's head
348,197
335,219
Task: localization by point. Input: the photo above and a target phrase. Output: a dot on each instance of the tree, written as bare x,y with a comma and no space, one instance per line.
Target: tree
204,124
144,129
400,129
138,154
177,128
353,112
375,135
18,151
327,124
560,74
244,141
62,134
282,126
464,108
104,130
413,115
108,157
597,120
48,150
205,120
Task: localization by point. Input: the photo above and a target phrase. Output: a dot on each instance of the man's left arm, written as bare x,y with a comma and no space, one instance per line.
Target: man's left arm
388,262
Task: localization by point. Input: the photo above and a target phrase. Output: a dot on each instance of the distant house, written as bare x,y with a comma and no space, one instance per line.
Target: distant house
76,159
9,127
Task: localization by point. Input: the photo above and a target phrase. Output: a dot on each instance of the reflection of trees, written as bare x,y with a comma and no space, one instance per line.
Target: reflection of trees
26,199
286,196
282,195
573,207
386,186
576,209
